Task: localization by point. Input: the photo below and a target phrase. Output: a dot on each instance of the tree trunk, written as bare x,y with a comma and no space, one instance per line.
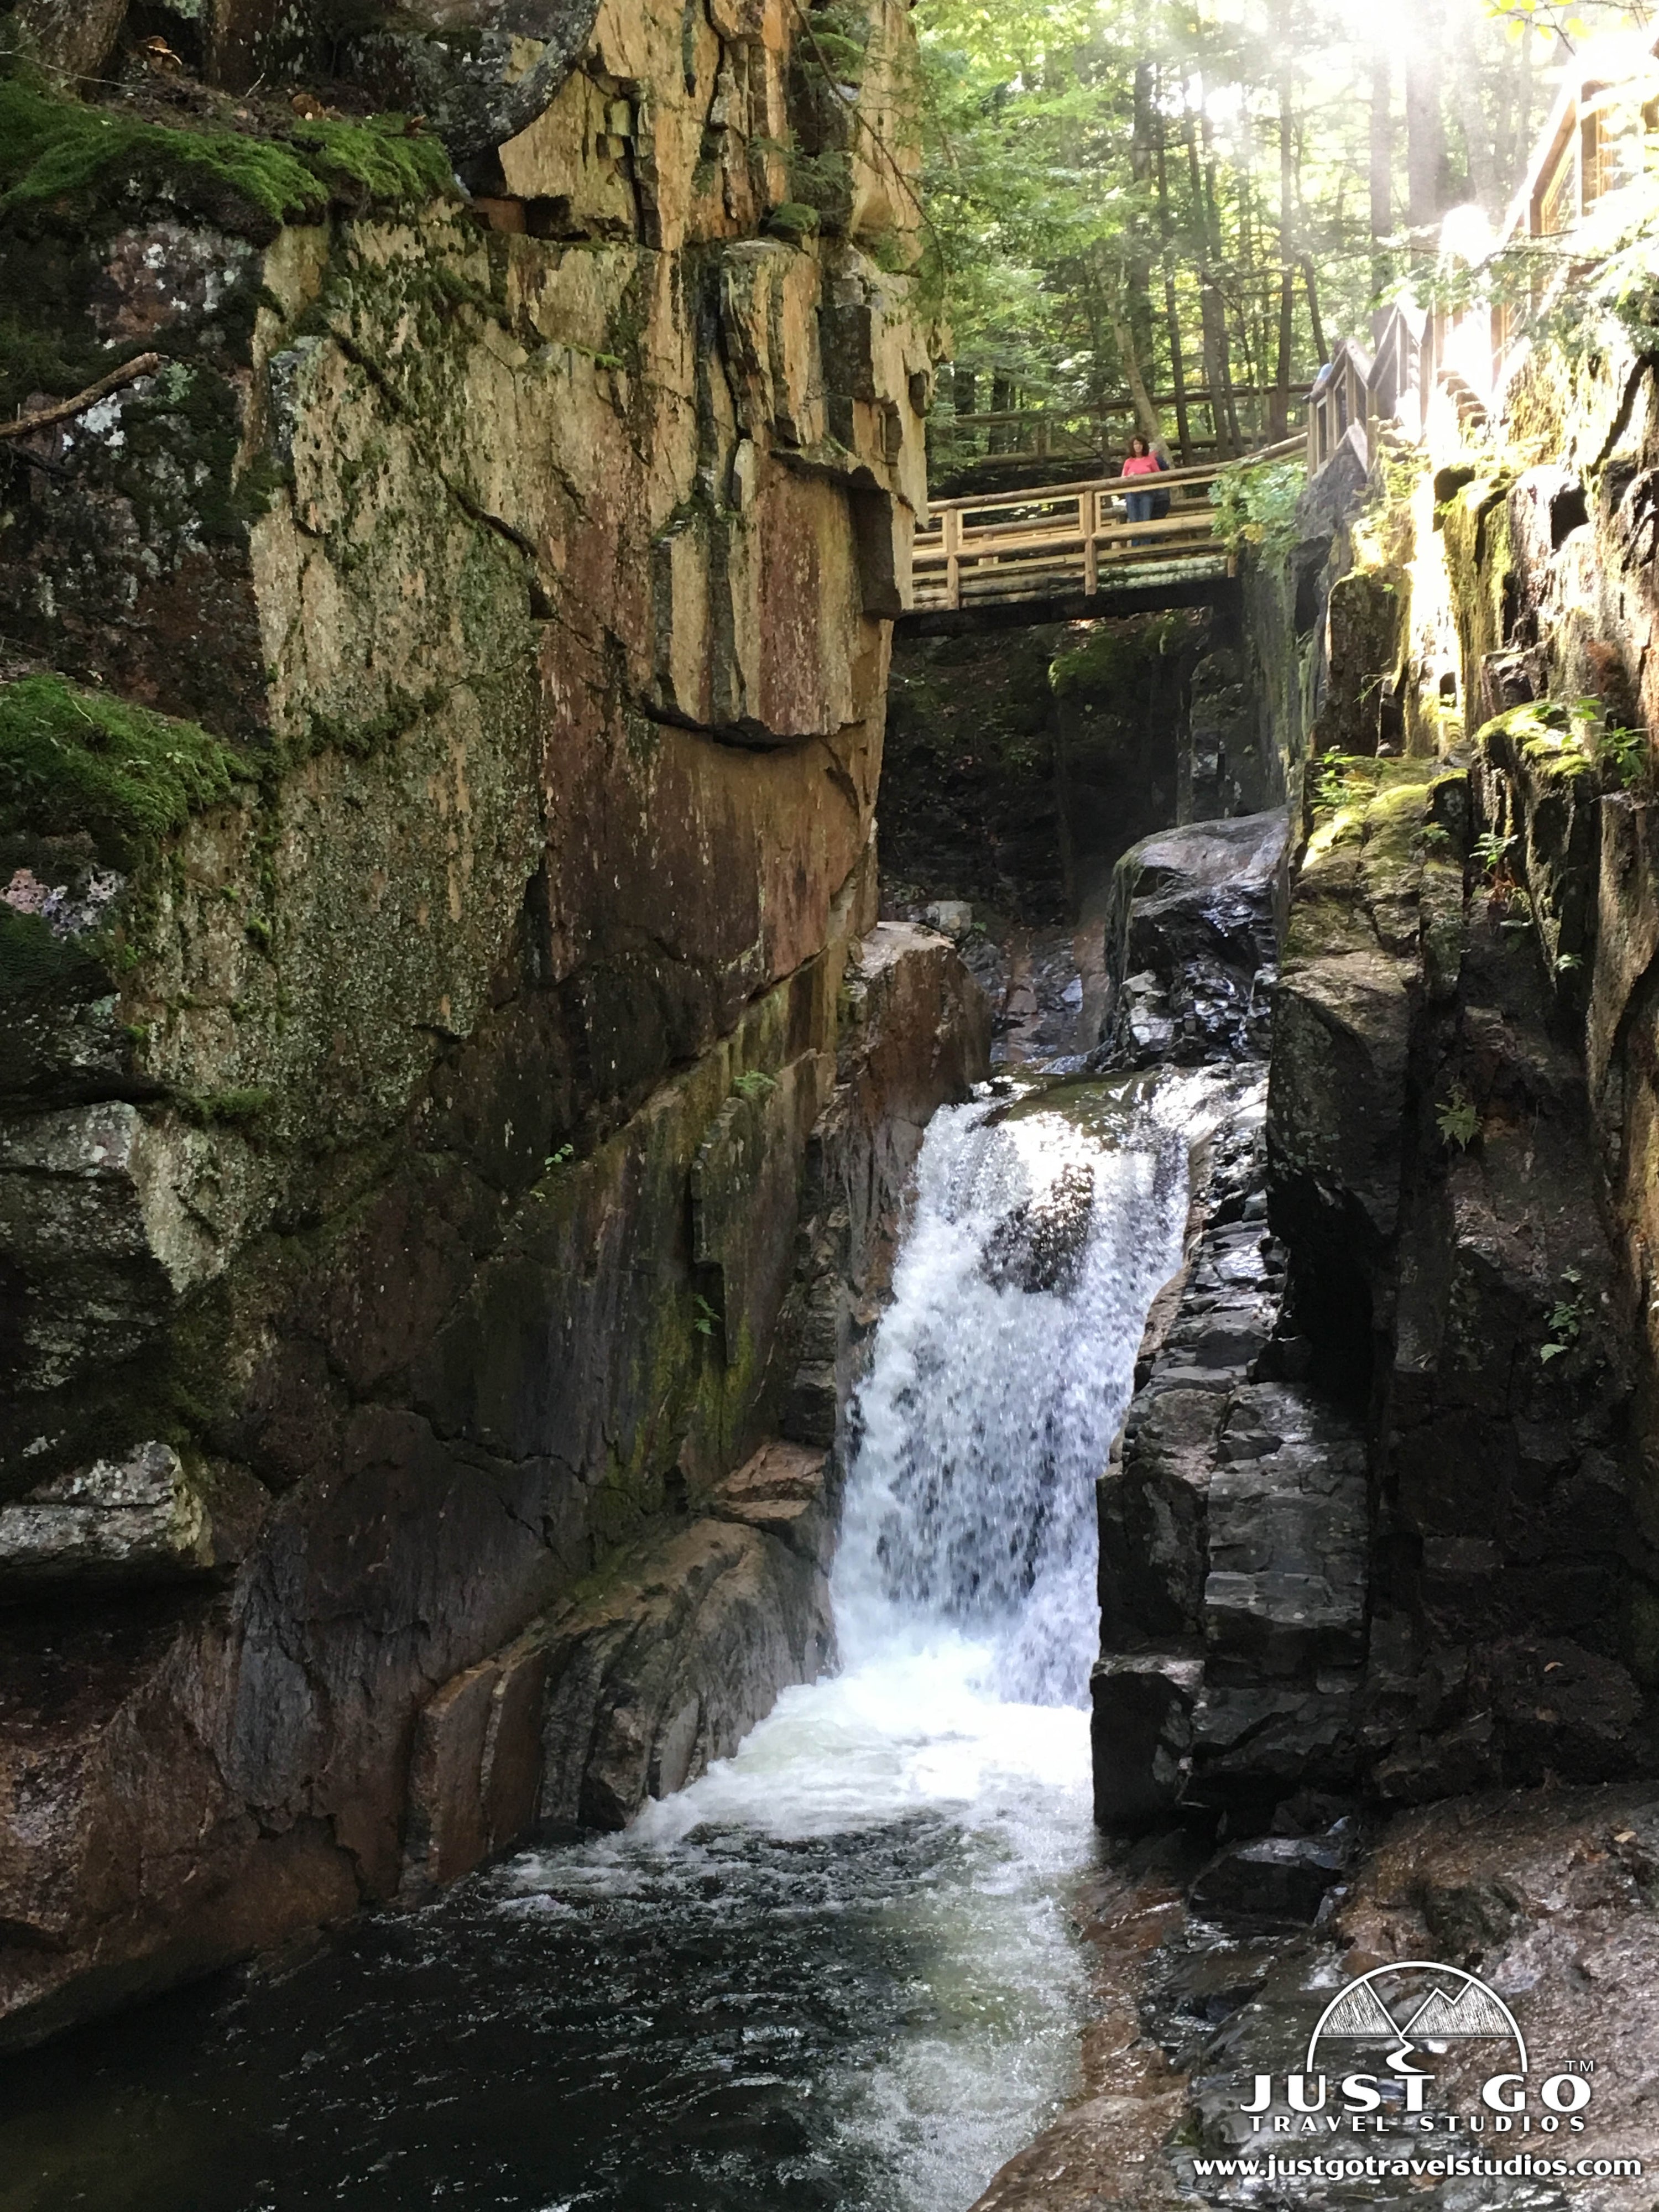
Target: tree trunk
1278,417
1138,263
1146,419
1177,363
1212,313
1487,188
1382,167
1512,137
1254,361
1320,352
1426,167
1002,440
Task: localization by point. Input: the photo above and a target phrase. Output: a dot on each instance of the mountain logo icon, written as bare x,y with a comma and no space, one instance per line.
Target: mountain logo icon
1391,2005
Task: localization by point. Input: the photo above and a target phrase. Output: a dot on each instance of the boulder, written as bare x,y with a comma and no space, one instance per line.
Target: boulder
481,71
1192,937
1039,1245
143,1517
688,1645
1140,1731
1275,1878
70,38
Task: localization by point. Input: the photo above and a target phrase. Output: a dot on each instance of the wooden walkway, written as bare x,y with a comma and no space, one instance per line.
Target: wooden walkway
1069,542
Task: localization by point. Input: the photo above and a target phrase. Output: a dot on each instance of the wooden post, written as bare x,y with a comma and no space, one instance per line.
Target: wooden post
1088,509
952,520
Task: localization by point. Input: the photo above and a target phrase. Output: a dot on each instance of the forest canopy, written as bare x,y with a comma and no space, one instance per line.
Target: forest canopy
1165,212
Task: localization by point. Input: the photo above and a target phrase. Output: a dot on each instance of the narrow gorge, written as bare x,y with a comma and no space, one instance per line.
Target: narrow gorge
825,1364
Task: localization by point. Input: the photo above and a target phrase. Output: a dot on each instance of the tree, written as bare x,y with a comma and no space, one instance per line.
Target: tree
1130,195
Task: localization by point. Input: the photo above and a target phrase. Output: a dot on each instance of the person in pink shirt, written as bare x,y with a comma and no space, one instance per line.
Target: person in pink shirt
1141,461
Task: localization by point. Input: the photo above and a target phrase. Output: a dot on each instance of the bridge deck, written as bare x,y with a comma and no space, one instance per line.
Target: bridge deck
1070,542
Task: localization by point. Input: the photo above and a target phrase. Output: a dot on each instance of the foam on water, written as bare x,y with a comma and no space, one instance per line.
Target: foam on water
988,2038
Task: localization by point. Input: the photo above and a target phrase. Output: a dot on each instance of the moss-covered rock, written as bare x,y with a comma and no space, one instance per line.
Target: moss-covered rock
66,161
75,762
1475,523
1364,633
1540,788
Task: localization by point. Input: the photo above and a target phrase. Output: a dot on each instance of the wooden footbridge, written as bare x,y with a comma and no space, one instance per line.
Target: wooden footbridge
1063,550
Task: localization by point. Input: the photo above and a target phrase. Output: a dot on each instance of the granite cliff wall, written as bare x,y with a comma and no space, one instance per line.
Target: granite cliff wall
453,1105
1440,1412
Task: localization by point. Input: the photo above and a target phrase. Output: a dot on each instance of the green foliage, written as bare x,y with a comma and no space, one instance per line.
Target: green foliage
1093,170
75,760
705,1321
1342,780
74,161
1492,850
1566,1319
236,1109
1117,656
1458,1118
1007,37
1518,16
755,1085
562,1156
1628,755
1255,505
1568,739
838,40
793,220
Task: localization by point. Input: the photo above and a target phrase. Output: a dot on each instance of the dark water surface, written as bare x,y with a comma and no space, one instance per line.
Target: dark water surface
691,2029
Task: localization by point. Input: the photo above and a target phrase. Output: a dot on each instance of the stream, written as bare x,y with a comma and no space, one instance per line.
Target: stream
842,1970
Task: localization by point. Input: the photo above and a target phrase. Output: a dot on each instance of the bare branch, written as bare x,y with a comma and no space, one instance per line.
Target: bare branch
129,373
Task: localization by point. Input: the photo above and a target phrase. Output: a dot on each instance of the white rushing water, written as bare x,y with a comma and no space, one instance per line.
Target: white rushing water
965,1605
991,1406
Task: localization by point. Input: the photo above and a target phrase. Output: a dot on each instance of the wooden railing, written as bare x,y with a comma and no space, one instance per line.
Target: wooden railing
1069,541
1594,141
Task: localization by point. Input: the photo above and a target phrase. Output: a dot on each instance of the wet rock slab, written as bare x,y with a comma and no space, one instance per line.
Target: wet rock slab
1271,1878
1192,937
1548,1895
1233,1541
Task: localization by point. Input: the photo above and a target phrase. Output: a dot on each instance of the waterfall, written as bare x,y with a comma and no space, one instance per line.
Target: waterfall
1000,1376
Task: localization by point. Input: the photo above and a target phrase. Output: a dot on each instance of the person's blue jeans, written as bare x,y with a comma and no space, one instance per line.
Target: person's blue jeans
1140,504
